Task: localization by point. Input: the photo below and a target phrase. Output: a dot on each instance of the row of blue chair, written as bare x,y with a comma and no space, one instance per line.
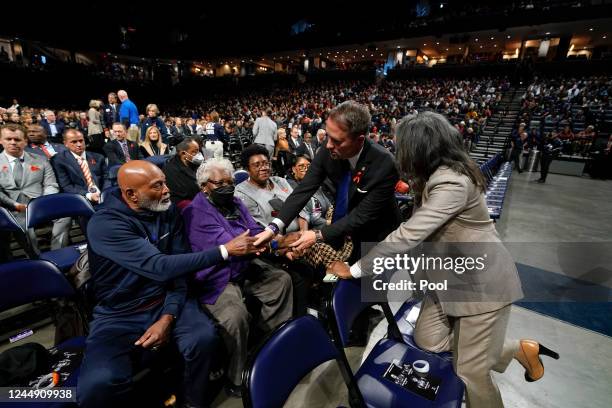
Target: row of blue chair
302,344
26,281
497,173
41,211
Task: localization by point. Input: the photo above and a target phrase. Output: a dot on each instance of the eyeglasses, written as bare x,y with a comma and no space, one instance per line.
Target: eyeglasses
303,166
259,165
221,183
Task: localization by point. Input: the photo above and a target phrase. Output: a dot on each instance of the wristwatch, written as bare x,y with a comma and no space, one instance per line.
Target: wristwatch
318,236
274,228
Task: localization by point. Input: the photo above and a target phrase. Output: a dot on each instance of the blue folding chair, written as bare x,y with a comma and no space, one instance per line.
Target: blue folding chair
290,352
377,391
240,176
27,281
112,174
9,224
51,207
159,161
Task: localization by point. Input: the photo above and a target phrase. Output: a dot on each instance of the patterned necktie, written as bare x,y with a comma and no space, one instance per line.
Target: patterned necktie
86,173
341,206
18,172
126,153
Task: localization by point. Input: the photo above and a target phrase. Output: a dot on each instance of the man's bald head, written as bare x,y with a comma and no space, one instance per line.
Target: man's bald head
143,186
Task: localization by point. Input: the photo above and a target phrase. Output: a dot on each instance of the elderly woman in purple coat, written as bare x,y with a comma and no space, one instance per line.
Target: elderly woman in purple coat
214,217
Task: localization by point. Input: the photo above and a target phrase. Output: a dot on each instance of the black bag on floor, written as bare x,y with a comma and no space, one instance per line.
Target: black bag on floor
19,364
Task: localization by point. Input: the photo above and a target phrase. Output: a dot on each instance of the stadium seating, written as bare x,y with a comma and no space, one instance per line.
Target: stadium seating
497,174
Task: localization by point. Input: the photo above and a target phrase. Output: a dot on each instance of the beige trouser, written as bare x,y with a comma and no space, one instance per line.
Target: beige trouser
478,344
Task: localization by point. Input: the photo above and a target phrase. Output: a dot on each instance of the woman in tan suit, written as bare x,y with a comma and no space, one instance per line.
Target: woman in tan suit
472,320
95,132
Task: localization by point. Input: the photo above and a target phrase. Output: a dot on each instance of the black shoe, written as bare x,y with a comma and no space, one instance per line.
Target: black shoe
233,390
541,181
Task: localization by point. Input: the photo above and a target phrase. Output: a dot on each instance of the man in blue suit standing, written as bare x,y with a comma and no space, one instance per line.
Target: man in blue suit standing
78,171
128,113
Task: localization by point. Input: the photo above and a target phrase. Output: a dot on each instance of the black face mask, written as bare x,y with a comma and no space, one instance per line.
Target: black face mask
223,196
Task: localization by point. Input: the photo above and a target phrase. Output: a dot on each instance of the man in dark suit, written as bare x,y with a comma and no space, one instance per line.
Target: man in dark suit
120,150
38,143
190,127
78,171
111,111
295,141
54,128
319,141
306,148
364,176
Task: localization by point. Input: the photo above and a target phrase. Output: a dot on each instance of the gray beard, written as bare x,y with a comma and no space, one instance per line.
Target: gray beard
155,206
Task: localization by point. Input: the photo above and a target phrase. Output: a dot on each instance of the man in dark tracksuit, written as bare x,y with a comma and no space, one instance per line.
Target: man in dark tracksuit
138,257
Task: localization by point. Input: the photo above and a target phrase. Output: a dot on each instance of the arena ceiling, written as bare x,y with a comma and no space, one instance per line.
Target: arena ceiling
191,30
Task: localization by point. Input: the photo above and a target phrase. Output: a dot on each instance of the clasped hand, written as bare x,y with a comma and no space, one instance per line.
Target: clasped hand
242,245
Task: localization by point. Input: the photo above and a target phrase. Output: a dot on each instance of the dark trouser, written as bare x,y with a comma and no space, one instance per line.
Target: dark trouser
545,164
302,278
106,373
516,157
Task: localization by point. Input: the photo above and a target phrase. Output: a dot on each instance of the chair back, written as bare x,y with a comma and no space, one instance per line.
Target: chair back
27,281
240,176
8,223
291,352
113,173
159,161
51,207
347,304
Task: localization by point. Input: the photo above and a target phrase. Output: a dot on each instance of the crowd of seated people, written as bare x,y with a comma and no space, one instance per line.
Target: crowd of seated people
300,111
573,110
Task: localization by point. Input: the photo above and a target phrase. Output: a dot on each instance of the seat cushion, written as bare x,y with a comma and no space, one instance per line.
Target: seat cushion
381,392
63,258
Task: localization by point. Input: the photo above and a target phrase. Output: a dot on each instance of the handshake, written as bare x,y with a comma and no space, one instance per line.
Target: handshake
244,244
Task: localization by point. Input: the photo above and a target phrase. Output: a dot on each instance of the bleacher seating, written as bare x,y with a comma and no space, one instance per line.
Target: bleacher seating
497,174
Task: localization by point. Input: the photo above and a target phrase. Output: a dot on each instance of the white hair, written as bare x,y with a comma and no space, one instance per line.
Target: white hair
203,173
49,112
122,93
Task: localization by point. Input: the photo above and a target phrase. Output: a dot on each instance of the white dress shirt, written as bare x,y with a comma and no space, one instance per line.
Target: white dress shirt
84,158
13,159
53,129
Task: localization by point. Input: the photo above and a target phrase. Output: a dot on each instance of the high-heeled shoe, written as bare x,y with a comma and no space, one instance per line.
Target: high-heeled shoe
529,356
